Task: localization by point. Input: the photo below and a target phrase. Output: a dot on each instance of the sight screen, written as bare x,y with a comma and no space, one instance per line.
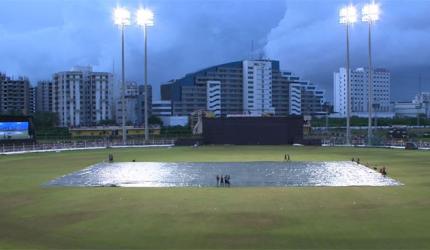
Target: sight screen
14,130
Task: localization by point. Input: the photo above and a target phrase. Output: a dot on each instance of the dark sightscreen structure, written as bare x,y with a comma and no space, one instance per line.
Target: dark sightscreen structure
253,130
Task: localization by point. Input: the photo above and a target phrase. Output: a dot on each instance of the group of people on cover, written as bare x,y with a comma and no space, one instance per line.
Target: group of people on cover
223,180
382,170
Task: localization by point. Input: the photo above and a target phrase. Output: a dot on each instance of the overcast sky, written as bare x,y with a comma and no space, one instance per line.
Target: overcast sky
40,37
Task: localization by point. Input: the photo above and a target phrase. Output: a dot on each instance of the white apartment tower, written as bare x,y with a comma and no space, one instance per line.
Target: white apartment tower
82,97
257,87
359,92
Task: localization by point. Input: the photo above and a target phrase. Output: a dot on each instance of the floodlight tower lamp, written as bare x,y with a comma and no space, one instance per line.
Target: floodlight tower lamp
348,16
144,17
121,16
370,14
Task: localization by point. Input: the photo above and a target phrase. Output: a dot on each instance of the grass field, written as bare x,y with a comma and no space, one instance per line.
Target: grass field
32,216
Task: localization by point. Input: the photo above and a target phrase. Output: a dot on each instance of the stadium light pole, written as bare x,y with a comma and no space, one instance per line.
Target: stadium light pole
145,19
348,16
370,14
122,19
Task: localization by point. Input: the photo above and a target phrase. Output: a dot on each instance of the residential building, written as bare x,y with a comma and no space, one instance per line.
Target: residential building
82,97
15,95
293,96
312,99
166,90
44,100
250,87
257,87
32,100
359,79
134,104
130,97
286,94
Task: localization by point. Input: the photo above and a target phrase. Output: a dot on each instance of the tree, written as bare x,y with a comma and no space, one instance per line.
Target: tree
155,120
176,131
106,123
45,120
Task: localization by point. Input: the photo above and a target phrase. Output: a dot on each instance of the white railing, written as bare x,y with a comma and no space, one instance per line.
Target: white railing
384,144
80,145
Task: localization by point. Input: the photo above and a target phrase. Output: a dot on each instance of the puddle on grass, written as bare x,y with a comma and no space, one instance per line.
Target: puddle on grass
243,174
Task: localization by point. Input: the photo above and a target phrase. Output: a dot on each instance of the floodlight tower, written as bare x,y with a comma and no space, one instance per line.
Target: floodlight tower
348,16
370,14
145,19
122,19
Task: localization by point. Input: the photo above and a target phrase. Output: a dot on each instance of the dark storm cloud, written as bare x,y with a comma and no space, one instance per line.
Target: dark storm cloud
188,35
310,42
40,37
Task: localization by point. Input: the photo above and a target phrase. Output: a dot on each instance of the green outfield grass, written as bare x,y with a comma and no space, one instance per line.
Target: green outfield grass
33,216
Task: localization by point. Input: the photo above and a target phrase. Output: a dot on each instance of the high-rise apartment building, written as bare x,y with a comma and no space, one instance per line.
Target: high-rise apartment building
32,100
250,87
15,95
311,98
134,104
257,87
82,97
359,92
44,96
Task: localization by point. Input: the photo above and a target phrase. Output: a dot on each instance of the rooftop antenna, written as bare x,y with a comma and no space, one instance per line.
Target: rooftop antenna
261,55
419,84
113,66
419,98
252,50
